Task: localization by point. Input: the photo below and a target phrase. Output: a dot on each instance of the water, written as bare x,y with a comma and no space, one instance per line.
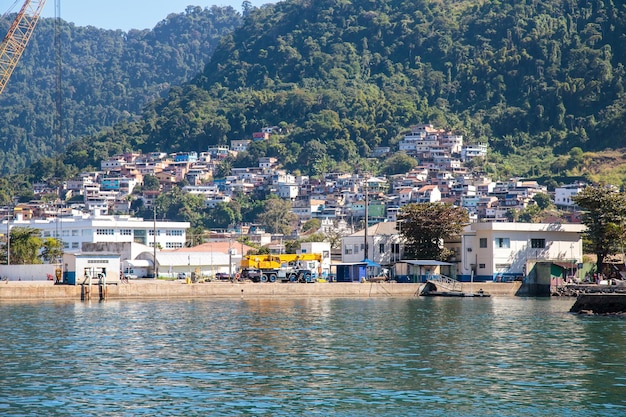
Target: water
311,357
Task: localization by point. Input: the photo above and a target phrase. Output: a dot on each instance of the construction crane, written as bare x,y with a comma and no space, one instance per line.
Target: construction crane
17,38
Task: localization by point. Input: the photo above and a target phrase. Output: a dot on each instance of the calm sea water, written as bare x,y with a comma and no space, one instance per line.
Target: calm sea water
311,357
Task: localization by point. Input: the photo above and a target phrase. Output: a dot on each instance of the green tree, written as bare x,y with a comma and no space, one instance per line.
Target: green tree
543,201
178,205
511,215
246,7
278,217
221,216
334,237
425,226
398,163
52,250
313,224
604,214
25,245
150,182
530,214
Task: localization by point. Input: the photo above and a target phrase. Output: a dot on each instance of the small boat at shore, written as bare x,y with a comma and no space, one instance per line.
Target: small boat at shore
455,294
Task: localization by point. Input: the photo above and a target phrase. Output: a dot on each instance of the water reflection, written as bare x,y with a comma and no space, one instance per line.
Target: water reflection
492,356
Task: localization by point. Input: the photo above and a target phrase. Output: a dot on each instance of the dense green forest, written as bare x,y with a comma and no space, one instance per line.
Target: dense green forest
108,77
533,79
539,81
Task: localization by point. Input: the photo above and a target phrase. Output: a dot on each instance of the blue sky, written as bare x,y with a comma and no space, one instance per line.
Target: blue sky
126,14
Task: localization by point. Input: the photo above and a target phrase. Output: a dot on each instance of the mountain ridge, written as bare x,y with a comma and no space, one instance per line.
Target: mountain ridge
108,77
535,80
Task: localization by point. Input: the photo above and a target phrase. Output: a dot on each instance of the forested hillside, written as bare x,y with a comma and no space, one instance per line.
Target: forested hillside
342,76
538,81
108,77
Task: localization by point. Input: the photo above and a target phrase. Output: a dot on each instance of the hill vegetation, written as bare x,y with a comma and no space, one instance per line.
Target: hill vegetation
534,79
541,82
108,77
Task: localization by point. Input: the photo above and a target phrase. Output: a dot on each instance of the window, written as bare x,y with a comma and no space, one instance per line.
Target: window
538,243
151,232
348,251
503,242
126,232
381,248
173,245
356,248
74,245
483,242
74,232
105,232
481,266
177,232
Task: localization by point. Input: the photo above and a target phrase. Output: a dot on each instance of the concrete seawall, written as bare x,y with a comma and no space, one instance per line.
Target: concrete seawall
46,290
600,304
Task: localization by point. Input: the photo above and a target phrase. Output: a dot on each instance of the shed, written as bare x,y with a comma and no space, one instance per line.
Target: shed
80,266
351,272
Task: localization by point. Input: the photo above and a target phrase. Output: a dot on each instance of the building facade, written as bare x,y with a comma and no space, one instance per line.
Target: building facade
384,245
492,251
78,230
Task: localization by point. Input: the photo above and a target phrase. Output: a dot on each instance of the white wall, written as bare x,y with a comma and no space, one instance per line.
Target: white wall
27,272
563,242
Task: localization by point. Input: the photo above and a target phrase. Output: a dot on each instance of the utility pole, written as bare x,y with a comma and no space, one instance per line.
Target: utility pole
154,232
230,255
8,238
366,220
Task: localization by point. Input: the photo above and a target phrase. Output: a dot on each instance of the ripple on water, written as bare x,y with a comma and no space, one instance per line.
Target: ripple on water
341,357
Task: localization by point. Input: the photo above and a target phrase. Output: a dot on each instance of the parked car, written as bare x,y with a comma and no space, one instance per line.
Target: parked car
182,275
222,276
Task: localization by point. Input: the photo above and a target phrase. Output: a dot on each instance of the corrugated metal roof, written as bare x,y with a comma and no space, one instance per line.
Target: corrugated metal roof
425,262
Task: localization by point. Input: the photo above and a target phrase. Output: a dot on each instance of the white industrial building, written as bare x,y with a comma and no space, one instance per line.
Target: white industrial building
78,231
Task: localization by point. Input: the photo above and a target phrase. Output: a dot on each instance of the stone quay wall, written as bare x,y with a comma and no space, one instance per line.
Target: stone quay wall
136,289
600,304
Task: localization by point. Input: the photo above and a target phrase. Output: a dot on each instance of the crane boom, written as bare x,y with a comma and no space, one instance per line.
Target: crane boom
17,38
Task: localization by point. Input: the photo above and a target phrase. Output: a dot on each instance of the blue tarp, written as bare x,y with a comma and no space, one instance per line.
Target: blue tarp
370,263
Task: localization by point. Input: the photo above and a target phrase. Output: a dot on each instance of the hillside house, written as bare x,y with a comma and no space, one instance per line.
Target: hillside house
240,145
470,152
428,194
563,195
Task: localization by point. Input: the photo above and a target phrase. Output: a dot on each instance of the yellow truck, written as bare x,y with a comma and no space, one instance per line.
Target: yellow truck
305,267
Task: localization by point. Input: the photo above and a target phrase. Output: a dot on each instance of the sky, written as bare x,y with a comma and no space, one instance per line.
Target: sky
126,14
